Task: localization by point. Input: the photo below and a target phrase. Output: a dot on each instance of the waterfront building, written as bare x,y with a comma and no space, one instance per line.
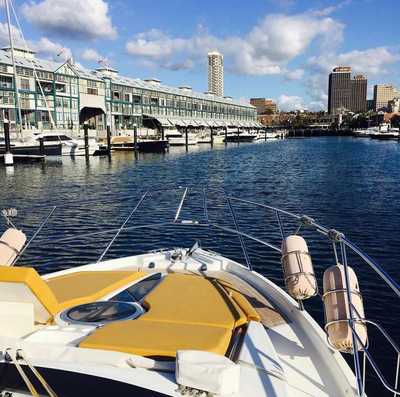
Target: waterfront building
216,73
264,106
394,105
358,101
269,119
345,93
383,93
75,95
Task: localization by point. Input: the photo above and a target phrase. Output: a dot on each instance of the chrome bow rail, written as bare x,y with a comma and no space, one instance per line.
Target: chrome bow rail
338,240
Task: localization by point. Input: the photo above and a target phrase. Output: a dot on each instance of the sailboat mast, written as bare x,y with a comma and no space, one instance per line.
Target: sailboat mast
17,102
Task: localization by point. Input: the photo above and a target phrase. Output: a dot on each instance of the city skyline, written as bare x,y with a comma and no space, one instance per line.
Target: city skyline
281,50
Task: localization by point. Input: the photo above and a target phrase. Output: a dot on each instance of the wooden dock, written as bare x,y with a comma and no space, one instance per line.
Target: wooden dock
25,158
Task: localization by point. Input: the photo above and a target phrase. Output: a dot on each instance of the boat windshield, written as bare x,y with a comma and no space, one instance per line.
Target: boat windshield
65,138
56,138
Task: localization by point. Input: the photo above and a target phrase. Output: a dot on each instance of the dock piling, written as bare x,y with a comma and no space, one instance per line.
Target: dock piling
109,140
41,146
8,156
86,135
135,138
211,136
186,138
226,135
237,135
162,133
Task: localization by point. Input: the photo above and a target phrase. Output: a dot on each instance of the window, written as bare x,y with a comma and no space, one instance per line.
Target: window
24,72
127,97
136,99
100,312
92,91
92,84
60,88
25,84
65,138
51,138
139,290
45,75
116,94
6,82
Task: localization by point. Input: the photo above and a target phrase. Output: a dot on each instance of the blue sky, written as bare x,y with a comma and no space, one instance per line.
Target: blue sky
276,49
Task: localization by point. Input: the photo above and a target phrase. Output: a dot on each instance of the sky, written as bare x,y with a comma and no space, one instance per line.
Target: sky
279,49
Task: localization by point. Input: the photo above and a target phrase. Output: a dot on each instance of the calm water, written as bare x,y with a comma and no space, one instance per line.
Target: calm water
351,185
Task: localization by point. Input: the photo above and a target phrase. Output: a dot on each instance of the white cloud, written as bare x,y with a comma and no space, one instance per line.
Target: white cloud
372,62
89,54
4,38
45,47
266,49
88,19
290,102
295,74
331,9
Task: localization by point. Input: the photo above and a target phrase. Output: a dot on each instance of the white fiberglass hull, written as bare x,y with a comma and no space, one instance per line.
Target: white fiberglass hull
182,141
310,366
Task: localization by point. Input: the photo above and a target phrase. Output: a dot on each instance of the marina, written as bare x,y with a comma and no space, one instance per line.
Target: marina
230,171
204,202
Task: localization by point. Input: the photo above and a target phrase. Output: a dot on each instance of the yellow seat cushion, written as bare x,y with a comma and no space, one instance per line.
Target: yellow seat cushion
88,286
49,297
148,338
23,284
191,299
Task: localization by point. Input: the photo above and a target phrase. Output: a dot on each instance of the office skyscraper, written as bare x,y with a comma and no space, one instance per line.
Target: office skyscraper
216,73
346,93
383,94
359,94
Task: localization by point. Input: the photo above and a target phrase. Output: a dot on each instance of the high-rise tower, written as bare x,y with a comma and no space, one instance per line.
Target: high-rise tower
216,73
346,93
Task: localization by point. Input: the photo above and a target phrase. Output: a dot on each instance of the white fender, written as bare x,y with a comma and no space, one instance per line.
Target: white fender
11,243
337,312
297,268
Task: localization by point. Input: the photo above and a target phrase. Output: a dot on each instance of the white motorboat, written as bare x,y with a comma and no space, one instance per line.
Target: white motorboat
203,136
69,146
54,144
240,137
188,321
176,138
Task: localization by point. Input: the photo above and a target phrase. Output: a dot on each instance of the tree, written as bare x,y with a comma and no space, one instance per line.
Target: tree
395,121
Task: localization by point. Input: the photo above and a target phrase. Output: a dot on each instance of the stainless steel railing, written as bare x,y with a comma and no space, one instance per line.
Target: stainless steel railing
301,221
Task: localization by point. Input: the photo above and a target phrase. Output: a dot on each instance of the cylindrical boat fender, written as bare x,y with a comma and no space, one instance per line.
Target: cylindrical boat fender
11,244
297,268
337,312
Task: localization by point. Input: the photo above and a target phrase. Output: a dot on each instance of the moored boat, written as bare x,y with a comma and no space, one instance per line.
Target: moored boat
187,321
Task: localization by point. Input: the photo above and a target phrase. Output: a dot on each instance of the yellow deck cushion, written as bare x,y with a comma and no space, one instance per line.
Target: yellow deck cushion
148,338
191,299
49,297
23,284
88,286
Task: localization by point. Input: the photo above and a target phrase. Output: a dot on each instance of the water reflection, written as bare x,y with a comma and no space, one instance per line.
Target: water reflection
348,184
